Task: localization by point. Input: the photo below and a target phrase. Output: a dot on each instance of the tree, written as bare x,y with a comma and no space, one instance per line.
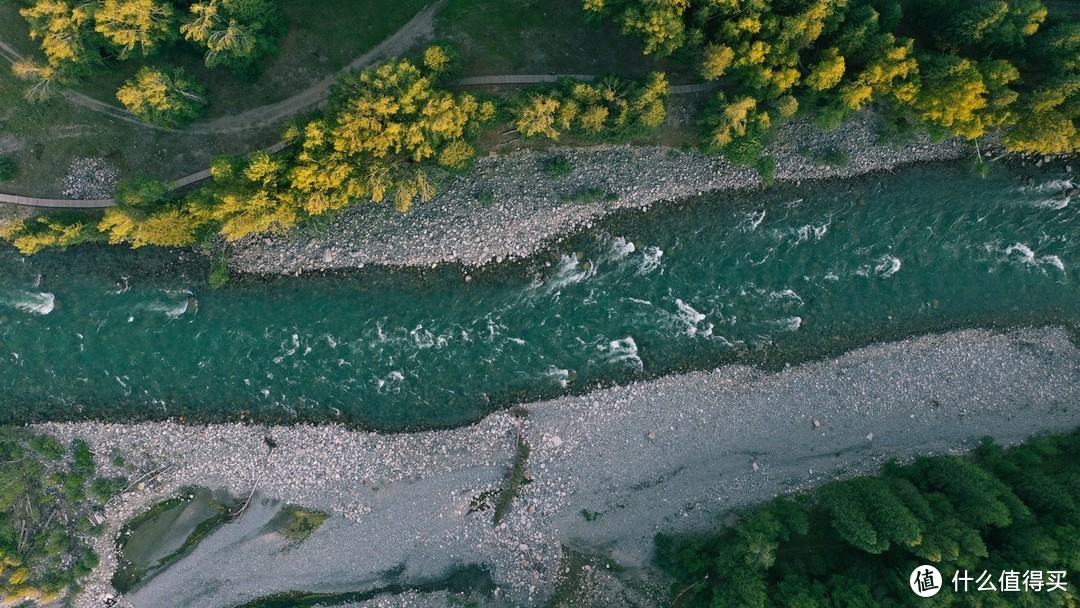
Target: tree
140,194
977,27
537,117
65,32
247,196
59,230
1045,125
144,215
131,24
43,78
385,123
263,210
168,228
715,61
235,33
954,96
828,72
442,61
728,121
660,23
163,98
607,108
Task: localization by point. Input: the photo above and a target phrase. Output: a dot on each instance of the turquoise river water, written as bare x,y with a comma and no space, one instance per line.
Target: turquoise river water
767,278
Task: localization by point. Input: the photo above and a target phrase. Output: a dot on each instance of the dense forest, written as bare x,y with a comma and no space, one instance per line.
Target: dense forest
48,493
995,517
960,67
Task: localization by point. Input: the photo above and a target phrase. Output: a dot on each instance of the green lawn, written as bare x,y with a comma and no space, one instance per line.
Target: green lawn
1064,7
540,37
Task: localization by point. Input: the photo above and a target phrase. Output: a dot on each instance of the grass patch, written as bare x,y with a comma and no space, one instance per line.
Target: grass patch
219,272
7,169
831,157
896,130
591,195
557,167
296,524
486,197
482,501
515,476
541,37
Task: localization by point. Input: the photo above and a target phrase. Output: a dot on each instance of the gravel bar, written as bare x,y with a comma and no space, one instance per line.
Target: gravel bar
671,454
506,207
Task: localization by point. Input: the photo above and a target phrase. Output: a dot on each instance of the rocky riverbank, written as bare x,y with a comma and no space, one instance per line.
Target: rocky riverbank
607,470
508,207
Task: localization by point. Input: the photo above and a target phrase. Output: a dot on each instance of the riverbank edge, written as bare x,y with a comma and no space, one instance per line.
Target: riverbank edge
510,207
1017,383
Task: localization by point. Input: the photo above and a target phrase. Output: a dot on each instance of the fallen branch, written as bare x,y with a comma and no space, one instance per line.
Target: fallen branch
148,477
244,505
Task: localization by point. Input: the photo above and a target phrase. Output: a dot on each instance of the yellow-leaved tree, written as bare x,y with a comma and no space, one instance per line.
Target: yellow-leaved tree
608,108
163,98
145,214
385,125
135,24
65,30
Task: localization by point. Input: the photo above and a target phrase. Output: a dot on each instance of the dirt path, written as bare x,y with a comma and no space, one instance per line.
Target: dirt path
418,29
78,99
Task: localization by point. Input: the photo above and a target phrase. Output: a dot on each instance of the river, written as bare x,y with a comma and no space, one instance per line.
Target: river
770,278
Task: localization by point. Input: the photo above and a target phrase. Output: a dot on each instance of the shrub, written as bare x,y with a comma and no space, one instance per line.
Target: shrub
219,273
558,166
7,169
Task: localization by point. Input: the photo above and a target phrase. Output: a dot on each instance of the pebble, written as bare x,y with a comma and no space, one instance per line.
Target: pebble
89,179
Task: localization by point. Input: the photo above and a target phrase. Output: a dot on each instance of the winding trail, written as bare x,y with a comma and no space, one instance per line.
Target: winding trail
419,28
